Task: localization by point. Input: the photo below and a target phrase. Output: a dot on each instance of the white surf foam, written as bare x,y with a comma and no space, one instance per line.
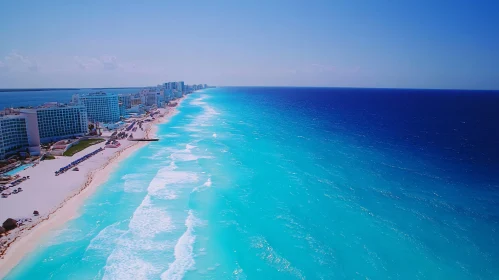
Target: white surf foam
185,154
125,264
184,256
203,121
106,239
148,220
268,254
165,194
206,185
134,183
189,147
169,177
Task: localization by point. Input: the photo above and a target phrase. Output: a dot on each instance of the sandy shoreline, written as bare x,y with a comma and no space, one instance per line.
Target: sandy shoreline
28,237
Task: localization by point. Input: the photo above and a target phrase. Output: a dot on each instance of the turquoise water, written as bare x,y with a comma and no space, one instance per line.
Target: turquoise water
18,169
244,187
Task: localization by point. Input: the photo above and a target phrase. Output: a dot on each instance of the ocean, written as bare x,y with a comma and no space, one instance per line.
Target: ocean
296,183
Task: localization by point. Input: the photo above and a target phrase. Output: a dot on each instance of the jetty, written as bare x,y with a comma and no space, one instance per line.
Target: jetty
144,139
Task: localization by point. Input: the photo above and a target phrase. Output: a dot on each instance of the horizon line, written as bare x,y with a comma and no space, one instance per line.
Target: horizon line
337,87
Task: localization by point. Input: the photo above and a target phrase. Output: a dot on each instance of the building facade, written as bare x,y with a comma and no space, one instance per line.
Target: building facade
181,88
101,106
13,135
136,101
125,102
151,98
53,123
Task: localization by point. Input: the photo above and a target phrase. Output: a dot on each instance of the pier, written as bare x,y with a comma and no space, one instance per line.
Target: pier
144,139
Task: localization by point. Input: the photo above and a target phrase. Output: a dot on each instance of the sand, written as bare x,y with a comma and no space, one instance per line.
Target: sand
58,198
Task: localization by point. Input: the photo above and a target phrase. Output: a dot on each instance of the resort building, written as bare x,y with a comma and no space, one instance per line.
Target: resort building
52,122
126,99
171,85
151,98
13,135
101,106
136,101
125,102
181,88
167,94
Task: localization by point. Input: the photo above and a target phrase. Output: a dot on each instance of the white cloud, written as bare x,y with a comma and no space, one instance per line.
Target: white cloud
86,63
107,62
18,62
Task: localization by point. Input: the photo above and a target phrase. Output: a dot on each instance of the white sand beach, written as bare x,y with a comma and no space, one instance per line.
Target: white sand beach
58,198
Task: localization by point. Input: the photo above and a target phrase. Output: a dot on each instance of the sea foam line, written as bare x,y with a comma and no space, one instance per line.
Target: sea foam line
147,221
206,185
184,256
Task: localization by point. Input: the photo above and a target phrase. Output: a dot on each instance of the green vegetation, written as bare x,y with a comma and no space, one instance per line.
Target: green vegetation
82,145
48,157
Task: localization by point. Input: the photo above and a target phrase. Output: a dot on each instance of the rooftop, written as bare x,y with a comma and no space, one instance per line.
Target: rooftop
97,94
49,105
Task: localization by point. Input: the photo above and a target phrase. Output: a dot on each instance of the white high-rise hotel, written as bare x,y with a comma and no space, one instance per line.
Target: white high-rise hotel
13,136
47,123
101,106
53,122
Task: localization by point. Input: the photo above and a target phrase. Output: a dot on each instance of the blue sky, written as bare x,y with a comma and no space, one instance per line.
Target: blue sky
404,44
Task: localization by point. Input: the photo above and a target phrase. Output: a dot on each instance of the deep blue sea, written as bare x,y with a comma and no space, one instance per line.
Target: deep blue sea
296,183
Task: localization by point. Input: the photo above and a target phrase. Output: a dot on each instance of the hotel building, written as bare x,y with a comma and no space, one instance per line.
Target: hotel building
181,88
52,122
151,98
101,106
125,102
13,135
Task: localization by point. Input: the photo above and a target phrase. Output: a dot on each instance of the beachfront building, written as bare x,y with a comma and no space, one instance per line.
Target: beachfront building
167,92
181,88
151,98
136,100
53,121
101,106
122,110
148,97
13,135
160,99
126,99
168,95
171,85
125,102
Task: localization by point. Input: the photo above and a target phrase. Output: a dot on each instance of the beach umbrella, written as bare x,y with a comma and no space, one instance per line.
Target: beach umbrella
36,213
9,224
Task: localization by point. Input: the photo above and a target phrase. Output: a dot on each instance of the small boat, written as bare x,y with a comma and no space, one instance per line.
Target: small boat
19,190
76,169
5,195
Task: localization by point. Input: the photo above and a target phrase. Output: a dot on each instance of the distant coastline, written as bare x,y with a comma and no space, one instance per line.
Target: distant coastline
52,89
